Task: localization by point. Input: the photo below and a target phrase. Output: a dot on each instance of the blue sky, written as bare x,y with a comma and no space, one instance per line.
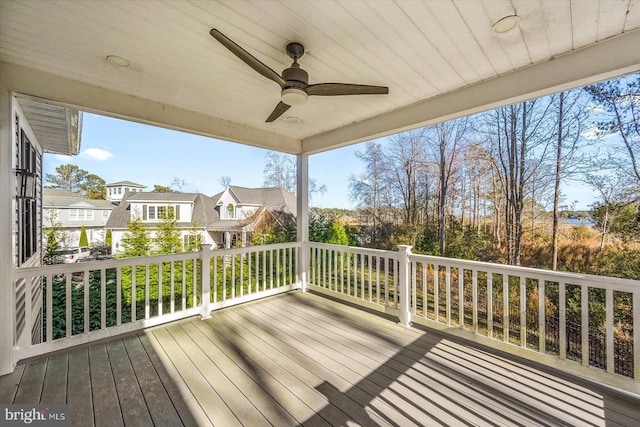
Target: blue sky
118,150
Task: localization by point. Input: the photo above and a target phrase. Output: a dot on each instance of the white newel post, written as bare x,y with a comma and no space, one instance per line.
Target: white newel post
302,208
404,311
206,252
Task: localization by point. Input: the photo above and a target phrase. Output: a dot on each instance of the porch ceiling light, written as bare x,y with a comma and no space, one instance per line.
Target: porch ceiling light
294,96
118,60
505,24
26,184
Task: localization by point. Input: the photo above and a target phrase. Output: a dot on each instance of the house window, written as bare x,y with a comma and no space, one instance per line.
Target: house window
27,208
152,212
166,212
230,211
119,190
105,214
80,214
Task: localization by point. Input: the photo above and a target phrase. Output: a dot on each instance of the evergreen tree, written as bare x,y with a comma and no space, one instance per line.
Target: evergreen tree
84,241
337,234
108,239
167,235
136,241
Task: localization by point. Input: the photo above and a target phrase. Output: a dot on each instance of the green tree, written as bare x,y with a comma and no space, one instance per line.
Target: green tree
108,239
93,187
136,241
167,234
67,177
337,234
162,189
71,178
84,241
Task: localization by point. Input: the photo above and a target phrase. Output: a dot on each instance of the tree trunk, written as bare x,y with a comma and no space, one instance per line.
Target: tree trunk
556,191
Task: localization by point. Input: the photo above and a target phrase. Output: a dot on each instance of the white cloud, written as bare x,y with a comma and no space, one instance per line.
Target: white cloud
96,154
62,158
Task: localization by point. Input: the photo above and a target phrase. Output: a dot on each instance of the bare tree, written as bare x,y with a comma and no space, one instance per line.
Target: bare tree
446,142
225,181
280,171
570,113
519,138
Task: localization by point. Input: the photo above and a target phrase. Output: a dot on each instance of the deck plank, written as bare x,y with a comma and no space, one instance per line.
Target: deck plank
132,403
106,406
302,359
54,389
79,393
377,377
9,385
241,372
296,396
30,388
156,398
404,361
230,393
183,400
339,375
215,408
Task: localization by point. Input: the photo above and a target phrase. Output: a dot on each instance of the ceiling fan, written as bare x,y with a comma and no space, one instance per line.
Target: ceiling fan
294,80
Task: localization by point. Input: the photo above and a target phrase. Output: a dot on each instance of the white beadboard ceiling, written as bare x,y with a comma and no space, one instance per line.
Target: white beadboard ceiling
440,59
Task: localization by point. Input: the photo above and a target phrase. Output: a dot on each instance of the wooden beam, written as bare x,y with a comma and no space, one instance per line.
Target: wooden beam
99,100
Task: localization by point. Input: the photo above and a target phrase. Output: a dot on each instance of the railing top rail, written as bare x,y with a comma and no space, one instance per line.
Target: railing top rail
354,249
19,273
626,285
248,249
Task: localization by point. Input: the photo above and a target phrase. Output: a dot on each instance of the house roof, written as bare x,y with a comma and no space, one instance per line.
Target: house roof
440,60
205,210
125,184
204,213
162,197
59,193
271,197
57,127
65,199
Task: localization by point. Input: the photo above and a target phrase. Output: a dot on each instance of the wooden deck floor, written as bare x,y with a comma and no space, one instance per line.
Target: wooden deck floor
301,359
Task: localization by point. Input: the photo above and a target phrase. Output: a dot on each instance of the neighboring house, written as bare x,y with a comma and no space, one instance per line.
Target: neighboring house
117,190
193,212
224,220
69,211
241,208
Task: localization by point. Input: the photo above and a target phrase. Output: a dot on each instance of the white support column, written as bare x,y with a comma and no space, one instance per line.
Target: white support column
302,209
205,273
7,319
404,311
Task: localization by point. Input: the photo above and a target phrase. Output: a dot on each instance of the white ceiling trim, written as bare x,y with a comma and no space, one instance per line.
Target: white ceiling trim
605,60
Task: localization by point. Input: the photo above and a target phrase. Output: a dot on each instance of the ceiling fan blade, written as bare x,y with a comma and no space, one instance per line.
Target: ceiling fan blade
278,111
333,89
247,58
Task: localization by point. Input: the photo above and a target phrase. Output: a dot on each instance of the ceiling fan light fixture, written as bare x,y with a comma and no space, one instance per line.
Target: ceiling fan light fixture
505,24
293,96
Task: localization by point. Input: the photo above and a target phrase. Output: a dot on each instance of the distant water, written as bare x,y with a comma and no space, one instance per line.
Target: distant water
577,222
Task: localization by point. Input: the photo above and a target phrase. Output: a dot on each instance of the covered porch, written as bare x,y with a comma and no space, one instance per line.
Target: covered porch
98,329
303,359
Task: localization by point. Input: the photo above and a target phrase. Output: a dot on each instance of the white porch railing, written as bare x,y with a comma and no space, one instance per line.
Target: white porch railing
583,324
58,306
587,325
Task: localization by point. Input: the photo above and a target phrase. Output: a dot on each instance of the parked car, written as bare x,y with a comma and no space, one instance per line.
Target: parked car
70,255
